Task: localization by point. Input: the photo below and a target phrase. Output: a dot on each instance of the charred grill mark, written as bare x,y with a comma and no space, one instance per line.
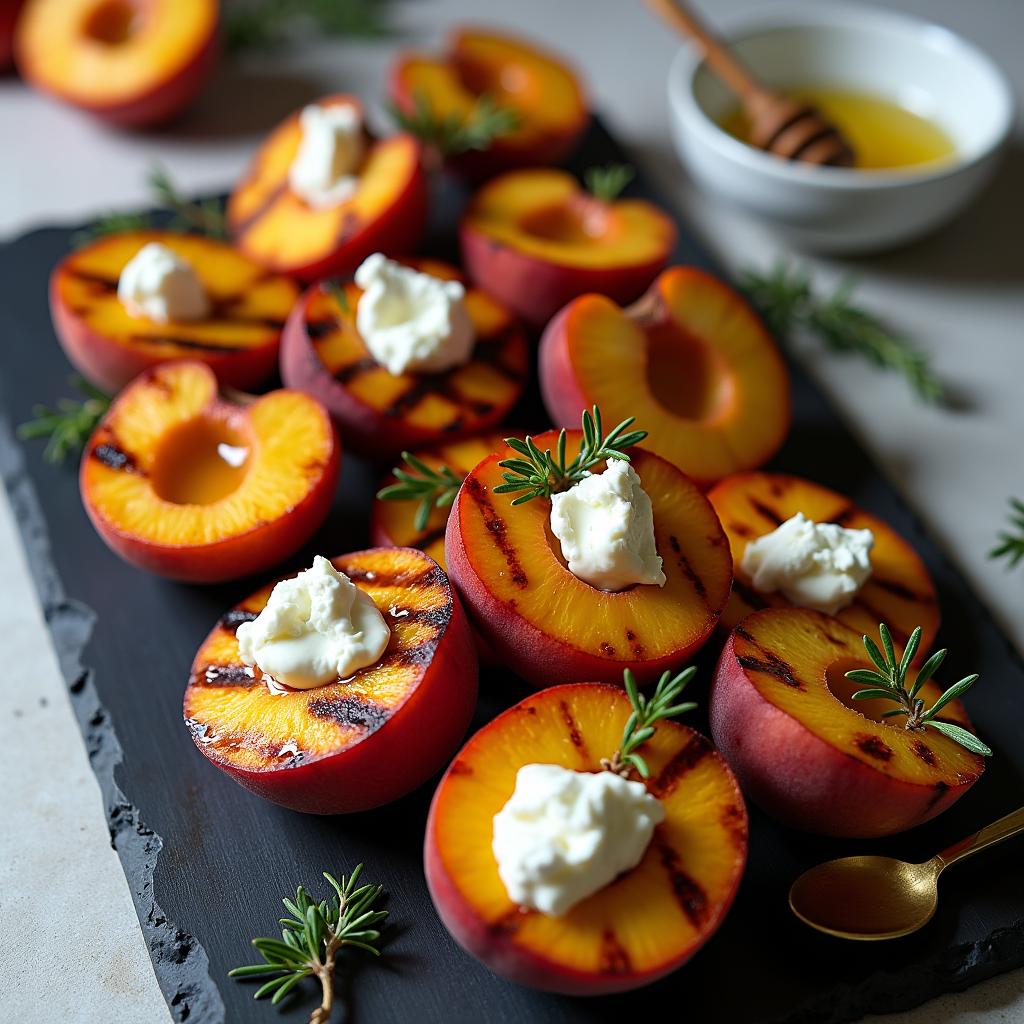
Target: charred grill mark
575,736
634,645
742,530
689,895
766,512
833,640
233,619
844,515
457,423
873,746
613,958
271,198
685,568
114,457
419,654
428,537
491,350
734,821
748,595
347,374
688,758
940,790
436,617
606,649
352,711
497,529
460,768
746,635
923,751
317,329
510,922
98,280
772,665
420,578
193,344
901,590
226,675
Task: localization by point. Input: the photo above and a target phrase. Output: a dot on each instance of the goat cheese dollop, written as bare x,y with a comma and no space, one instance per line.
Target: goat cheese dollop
157,284
816,565
412,321
316,628
563,835
323,172
605,525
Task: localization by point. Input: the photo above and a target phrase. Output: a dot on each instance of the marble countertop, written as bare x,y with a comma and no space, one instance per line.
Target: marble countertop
960,294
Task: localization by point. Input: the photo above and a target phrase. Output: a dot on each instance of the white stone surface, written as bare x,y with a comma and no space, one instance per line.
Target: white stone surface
959,293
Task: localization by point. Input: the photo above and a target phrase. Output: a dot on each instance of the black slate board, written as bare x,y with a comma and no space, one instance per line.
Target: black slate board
207,861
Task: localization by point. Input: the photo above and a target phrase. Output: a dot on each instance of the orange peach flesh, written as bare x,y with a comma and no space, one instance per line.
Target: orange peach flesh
689,360
653,917
104,54
394,521
155,469
518,564
798,661
899,591
460,400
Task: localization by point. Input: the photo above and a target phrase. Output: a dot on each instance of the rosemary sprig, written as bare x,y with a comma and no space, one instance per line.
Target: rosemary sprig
786,299
605,183
540,474
110,224
1010,544
261,24
312,936
205,217
890,683
456,133
641,724
70,424
432,488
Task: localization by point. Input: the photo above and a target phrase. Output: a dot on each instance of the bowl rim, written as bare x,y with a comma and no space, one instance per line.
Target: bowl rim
685,108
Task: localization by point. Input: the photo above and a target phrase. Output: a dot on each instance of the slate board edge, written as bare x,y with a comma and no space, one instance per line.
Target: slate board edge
180,963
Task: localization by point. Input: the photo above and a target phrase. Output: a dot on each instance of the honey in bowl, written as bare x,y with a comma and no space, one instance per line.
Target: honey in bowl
884,135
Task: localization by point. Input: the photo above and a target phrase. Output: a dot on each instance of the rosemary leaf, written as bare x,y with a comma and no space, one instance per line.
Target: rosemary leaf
606,183
205,217
453,134
431,488
68,426
786,299
1010,543
262,24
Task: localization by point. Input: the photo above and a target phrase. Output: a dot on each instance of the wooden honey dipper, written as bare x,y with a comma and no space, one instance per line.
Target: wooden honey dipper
786,127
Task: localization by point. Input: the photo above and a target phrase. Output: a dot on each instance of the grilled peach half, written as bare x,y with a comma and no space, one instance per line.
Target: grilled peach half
133,62
544,94
359,742
535,240
184,483
650,920
783,716
277,229
393,523
239,340
379,413
899,591
551,627
690,359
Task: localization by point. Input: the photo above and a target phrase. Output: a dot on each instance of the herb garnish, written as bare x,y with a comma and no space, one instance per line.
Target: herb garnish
457,133
640,726
540,474
265,23
1011,541
311,938
432,488
786,300
605,183
890,683
69,425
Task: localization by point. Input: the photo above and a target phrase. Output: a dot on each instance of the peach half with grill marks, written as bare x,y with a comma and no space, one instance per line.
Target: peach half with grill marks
646,923
899,591
551,627
535,239
278,229
783,715
182,482
239,338
359,742
379,413
690,359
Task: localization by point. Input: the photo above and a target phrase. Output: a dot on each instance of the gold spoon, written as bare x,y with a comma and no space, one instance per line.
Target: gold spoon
871,898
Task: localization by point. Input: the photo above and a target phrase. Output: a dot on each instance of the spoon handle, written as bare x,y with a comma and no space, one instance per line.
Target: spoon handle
989,835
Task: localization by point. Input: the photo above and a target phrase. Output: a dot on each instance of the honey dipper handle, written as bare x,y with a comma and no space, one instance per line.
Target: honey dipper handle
990,834
732,73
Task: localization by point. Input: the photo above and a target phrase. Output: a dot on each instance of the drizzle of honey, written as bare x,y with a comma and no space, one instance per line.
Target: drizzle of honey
883,134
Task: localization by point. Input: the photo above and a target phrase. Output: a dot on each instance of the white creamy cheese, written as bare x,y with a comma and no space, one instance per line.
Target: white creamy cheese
156,283
412,321
815,565
605,525
323,172
563,835
316,628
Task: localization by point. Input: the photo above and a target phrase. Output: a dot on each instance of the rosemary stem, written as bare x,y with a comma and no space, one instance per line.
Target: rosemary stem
325,972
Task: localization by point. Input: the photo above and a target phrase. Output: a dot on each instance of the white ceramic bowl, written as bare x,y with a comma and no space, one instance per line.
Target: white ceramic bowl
924,67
